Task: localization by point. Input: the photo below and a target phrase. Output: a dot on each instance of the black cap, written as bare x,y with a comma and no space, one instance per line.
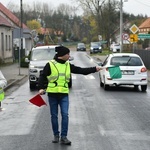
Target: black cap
61,51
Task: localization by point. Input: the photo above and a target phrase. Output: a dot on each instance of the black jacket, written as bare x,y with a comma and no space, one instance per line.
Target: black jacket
74,69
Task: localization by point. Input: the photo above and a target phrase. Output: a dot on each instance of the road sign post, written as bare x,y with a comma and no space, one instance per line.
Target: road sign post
144,36
133,38
125,36
134,29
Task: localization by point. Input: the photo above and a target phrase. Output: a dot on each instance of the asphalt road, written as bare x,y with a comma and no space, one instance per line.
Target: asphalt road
117,119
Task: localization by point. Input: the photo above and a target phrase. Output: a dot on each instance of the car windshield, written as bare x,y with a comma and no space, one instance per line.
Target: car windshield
125,61
116,45
97,43
93,44
43,54
81,45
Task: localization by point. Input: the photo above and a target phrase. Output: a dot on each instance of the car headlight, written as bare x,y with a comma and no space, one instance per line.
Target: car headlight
32,66
100,47
33,70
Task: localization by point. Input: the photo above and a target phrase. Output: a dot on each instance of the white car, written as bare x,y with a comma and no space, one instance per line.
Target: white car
39,57
115,47
132,69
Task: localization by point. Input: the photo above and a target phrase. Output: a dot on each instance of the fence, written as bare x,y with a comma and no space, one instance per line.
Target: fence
145,55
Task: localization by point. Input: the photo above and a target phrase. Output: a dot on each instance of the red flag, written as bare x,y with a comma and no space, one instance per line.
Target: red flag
37,100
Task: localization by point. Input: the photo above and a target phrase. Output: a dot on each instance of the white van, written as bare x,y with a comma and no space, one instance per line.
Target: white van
115,47
39,57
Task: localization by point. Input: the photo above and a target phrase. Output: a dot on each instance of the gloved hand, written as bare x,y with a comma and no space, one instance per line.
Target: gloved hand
98,68
42,91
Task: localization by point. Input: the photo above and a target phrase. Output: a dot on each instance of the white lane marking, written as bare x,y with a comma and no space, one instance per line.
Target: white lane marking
73,76
91,77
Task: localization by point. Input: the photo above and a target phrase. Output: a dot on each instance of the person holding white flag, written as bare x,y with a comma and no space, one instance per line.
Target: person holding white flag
3,83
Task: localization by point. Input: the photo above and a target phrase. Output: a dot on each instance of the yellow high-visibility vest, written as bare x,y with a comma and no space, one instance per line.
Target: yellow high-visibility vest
59,78
2,95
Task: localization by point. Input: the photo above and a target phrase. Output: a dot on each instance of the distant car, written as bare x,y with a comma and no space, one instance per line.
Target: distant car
115,47
39,57
147,48
81,47
132,69
95,47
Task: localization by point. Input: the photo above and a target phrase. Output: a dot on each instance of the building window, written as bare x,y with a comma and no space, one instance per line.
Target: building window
2,45
9,43
6,42
2,41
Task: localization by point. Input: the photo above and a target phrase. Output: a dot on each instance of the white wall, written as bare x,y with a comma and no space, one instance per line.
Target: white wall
6,49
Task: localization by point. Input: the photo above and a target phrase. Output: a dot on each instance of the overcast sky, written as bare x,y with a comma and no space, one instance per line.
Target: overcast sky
137,7
130,6
53,2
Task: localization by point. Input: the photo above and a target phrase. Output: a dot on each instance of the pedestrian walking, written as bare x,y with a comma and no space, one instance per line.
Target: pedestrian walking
3,83
57,73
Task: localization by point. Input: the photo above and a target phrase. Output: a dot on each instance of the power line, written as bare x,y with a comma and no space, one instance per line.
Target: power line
143,3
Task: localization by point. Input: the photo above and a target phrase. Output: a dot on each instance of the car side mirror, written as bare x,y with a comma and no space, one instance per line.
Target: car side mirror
100,63
27,59
71,58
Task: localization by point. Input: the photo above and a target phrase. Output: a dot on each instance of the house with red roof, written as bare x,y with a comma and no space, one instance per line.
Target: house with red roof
16,27
6,35
144,28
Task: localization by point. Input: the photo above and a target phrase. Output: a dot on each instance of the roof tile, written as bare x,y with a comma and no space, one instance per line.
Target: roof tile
145,24
4,22
10,15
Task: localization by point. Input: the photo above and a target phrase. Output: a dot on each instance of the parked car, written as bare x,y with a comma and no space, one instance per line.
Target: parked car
95,47
115,47
132,69
39,57
147,48
81,47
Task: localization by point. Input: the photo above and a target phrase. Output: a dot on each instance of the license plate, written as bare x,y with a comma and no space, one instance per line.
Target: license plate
127,72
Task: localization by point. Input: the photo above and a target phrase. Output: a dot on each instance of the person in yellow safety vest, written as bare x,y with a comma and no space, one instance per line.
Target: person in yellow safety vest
57,73
3,83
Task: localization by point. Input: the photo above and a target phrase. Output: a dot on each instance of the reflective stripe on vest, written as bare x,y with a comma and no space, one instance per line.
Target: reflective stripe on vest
1,94
59,78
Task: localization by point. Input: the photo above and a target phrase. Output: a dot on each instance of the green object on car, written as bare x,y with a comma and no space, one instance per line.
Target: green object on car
115,72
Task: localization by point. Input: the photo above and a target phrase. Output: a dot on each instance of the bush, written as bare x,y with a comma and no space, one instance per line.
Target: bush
23,63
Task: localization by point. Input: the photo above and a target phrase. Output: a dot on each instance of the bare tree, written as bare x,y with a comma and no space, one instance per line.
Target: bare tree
105,14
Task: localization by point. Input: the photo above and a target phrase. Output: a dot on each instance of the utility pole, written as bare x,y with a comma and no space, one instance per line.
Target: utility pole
21,35
121,26
109,24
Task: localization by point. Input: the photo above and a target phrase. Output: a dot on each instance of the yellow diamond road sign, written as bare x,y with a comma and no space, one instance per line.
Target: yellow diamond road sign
134,29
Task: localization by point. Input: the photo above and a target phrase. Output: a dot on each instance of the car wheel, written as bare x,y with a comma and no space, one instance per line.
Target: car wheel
101,84
136,87
106,86
32,86
143,88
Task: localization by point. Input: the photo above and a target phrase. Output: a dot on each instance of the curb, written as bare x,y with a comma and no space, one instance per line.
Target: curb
14,81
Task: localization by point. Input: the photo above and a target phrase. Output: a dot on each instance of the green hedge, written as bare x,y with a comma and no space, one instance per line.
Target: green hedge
23,63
